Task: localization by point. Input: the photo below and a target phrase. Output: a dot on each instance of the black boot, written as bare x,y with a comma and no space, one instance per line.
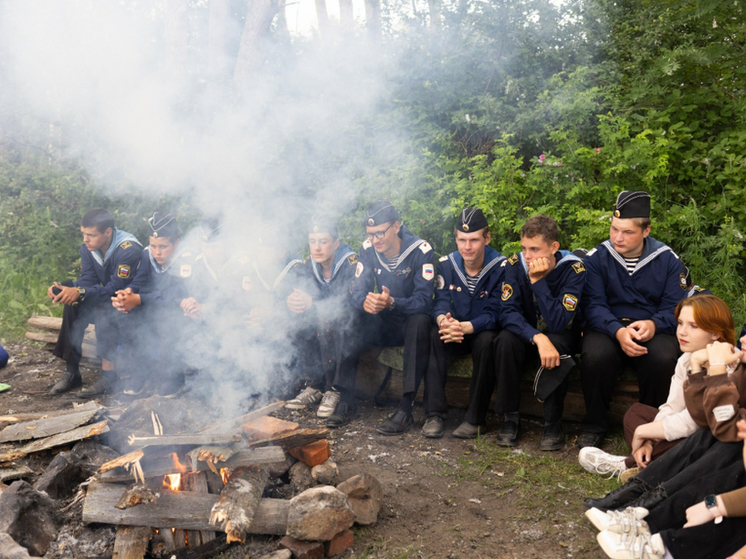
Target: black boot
104,385
650,499
72,379
620,497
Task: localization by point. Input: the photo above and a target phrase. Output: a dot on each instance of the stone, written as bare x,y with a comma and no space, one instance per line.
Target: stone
319,514
366,497
9,548
300,549
281,554
279,469
312,454
69,469
339,543
300,476
326,473
28,517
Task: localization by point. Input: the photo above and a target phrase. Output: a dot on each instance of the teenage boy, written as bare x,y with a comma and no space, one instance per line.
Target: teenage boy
463,323
394,289
634,284
538,302
109,259
324,300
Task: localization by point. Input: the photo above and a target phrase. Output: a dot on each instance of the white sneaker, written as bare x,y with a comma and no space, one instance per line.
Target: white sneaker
625,546
308,397
328,403
627,521
597,461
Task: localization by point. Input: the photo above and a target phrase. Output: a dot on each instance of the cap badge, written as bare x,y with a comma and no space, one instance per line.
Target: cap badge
371,222
465,227
616,213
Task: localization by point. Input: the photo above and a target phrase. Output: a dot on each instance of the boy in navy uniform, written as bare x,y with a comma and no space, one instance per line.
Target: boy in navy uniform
634,284
400,267
538,302
329,341
463,323
109,259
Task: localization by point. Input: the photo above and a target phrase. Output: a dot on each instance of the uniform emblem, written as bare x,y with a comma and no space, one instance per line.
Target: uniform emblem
352,259
513,259
124,271
185,270
443,258
125,245
359,269
482,294
425,248
367,244
428,271
440,283
578,267
682,281
507,292
371,222
503,263
592,252
570,302
246,283
616,213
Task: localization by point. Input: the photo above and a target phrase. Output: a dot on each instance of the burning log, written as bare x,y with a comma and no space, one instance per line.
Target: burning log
137,494
130,462
197,483
198,439
235,424
210,455
60,439
234,512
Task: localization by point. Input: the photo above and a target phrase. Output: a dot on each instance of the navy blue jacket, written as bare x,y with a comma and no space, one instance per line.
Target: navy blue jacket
410,282
103,276
555,297
156,285
452,294
612,298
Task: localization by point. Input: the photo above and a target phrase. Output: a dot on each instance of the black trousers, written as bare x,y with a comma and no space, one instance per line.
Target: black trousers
480,347
707,541
389,330
601,363
75,319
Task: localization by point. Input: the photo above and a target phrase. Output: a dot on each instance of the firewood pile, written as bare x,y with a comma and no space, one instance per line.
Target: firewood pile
190,493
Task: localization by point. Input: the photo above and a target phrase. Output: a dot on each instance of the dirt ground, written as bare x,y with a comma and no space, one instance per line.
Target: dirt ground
443,498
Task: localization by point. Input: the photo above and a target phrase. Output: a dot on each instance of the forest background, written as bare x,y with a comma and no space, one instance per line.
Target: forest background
516,107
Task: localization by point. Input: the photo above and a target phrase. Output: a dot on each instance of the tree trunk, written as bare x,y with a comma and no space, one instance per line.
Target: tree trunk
256,29
346,16
219,39
373,19
322,16
436,15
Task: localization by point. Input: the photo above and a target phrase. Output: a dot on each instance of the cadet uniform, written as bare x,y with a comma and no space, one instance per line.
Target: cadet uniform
454,295
613,298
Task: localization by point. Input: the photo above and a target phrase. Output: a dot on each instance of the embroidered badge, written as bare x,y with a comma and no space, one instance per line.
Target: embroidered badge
503,263
367,244
513,259
425,247
352,259
123,271
440,282
682,281
125,245
723,413
507,292
482,294
578,267
246,283
443,258
185,270
428,271
570,302
359,269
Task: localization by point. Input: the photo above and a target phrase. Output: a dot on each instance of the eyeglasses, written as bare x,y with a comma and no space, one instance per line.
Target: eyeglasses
378,235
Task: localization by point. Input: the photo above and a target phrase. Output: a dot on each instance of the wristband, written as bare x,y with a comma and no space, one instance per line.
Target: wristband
711,502
716,364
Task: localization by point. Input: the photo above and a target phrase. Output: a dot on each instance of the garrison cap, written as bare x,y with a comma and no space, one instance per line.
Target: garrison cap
211,230
470,220
323,223
163,225
632,203
380,212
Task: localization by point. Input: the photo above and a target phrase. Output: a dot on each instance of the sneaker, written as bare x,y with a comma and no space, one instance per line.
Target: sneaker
328,403
628,473
627,521
597,461
308,397
625,546
433,427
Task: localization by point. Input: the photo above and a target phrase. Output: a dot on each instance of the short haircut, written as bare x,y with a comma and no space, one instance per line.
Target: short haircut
543,225
98,218
642,222
485,231
712,315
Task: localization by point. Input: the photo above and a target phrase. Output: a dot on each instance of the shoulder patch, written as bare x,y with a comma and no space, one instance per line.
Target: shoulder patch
440,282
425,248
682,281
428,271
507,292
503,263
125,245
185,270
359,269
246,283
367,244
570,302
352,260
443,258
592,252
124,271
513,259
578,267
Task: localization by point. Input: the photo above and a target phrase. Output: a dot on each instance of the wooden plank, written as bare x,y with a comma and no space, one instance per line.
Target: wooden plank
189,439
131,542
60,439
182,509
14,472
162,466
41,428
16,417
234,424
197,483
294,439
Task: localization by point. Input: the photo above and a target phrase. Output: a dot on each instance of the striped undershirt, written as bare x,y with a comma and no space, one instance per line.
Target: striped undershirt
471,283
631,264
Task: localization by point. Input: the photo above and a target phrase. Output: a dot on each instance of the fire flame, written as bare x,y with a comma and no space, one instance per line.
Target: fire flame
172,481
224,475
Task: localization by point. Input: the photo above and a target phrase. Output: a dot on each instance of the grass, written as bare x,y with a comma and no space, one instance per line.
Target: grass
378,547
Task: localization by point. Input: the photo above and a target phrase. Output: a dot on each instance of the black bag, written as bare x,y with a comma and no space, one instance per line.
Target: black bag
547,380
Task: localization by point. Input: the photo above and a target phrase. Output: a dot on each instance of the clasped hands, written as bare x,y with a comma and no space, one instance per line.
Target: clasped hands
377,302
125,300
717,356
638,331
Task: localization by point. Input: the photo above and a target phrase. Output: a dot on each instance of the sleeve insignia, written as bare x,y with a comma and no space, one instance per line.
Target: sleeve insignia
443,258
185,270
682,281
246,283
367,244
570,302
513,259
578,267
503,263
124,271
507,292
125,245
428,271
359,269
440,282
352,259
425,248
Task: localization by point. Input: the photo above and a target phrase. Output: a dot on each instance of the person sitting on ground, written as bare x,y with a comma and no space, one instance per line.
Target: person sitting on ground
156,321
463,324
651,431
109,258
538,302
394,289
329,343
633,285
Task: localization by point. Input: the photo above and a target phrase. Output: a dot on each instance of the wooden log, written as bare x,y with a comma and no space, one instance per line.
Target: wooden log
234,424
182,509
54,324
190,439
15,472
197,483
84,432
16,417
131,542
41,428
239,500
293,439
